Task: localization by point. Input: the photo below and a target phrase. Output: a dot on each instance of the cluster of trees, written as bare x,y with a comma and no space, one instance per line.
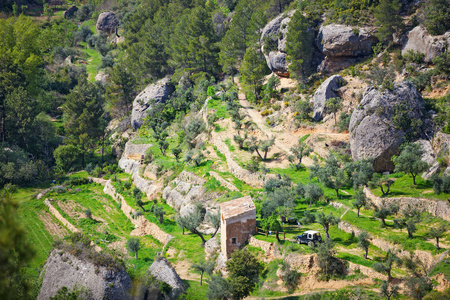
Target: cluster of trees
243,273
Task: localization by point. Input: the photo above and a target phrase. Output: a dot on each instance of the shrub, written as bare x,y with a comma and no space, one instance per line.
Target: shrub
71,181
414,56
441,184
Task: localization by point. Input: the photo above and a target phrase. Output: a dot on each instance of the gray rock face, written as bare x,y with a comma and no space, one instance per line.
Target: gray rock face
419,40
70,12
341,44
64,269
428,157
153,94
163,271
277,30
107,22
276,61
372,132
325,91
212,247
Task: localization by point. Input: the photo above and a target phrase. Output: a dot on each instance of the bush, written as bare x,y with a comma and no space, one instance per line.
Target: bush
414,56
107,61
441,184
71,181
344,121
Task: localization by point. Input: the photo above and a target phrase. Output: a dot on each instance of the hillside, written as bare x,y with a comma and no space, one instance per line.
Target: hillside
181,149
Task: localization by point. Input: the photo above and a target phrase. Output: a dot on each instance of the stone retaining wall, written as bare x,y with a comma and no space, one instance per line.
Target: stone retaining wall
434,207
252,179
269,249
57,215
223,182
135,151
98,180
142,225
132,167
369,272
191,178
426,257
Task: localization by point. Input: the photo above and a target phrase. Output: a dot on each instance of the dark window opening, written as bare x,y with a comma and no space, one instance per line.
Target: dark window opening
233,240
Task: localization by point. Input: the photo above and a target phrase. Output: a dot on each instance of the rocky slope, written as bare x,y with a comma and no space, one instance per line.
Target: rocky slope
64,269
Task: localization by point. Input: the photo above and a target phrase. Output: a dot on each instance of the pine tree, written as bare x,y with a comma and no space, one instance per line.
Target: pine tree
299,46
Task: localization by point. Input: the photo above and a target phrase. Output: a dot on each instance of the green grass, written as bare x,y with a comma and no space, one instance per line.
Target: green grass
442,267
403,187
228,143
220,107
195,291
418,242
93,59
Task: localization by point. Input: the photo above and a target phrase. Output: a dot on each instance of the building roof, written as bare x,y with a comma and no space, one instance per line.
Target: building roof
237,207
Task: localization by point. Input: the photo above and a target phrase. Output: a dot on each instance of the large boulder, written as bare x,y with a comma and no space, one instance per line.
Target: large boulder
70,12
107,22
326,91
153,94
372,130
163,271
64,269
343,45
419,40
276,30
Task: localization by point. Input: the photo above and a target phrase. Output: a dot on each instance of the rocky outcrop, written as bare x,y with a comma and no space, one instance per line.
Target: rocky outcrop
153,94
107,22
428,157
343,45
372,131
276,30
70,12
64,269
212,247
436,208
163,270
326,91
441,145
419,40
184,190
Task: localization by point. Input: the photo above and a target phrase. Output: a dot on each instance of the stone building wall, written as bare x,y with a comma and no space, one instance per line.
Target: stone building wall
240,228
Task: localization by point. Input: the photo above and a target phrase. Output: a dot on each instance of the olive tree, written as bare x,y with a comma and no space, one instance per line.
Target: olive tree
410,161
298,152
437,233
134,244
364,242
326,221
387,264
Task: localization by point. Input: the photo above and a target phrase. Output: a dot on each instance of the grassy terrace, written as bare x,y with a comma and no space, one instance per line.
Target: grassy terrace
403,187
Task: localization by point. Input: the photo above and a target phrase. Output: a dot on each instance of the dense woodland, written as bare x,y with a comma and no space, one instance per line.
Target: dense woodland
56,119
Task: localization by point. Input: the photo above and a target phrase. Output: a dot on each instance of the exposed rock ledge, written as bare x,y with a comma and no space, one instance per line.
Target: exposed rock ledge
64,269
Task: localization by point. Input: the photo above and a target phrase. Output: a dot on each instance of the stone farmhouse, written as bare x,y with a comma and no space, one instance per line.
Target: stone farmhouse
238,223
